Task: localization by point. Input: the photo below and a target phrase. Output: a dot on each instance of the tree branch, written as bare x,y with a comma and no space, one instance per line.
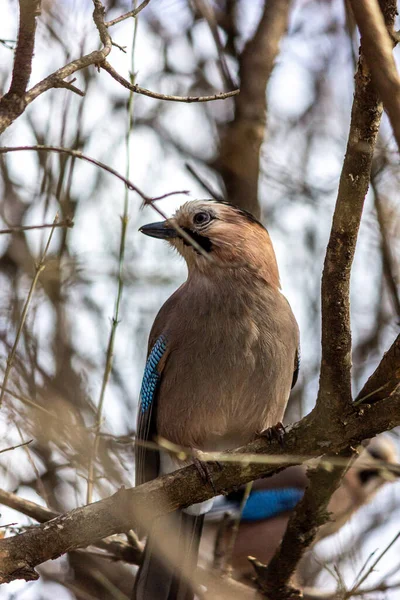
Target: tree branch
139,90
334,396
19,555
128,15
240,141
13,103
10,110
378,51
28,11
12,107
335,378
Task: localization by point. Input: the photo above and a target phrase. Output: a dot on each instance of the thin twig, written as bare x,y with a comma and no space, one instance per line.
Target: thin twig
145,92
372,567
120,284
235,530
246,459
208,13
128,15
39,481
147,200
214,194
79,154
31,403
14,447
68,85
39,268
17,228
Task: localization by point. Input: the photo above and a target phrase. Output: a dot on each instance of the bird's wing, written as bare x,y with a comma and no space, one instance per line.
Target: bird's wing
146,458
265,504
261,504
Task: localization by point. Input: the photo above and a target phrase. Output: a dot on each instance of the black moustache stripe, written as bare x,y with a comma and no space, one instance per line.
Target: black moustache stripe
203,241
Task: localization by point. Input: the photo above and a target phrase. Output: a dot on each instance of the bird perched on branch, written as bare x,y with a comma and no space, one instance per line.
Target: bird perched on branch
266,513
222,358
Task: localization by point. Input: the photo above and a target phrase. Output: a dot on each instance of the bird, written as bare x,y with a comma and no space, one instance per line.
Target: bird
223,354
271,501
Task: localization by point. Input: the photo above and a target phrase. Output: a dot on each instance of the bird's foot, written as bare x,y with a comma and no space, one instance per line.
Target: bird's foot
276,432
204,471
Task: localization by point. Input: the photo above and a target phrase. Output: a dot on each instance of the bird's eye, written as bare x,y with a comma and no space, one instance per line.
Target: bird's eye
201,218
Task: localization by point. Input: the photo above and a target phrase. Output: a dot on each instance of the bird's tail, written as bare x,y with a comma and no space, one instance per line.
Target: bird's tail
159,578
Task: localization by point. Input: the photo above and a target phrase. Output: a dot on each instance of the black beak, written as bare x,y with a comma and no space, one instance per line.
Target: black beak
159,230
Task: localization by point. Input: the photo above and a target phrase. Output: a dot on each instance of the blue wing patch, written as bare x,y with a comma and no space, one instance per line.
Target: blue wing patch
151,375
265,504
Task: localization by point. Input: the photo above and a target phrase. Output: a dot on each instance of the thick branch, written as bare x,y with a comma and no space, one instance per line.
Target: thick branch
26,507
335,379
239,157
28,11
13,104
118,549
87,525
378,51
335,396
301,532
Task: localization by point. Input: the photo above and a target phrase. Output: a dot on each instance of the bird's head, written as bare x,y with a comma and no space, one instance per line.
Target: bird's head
210,234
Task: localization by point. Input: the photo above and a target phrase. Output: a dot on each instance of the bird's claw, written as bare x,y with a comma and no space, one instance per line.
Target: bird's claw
204,471
276,432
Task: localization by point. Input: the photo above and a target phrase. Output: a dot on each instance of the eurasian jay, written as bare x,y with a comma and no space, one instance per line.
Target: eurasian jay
271,501
222,358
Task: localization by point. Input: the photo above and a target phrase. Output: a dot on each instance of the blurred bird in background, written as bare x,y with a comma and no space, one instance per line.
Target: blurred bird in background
222,358
266,513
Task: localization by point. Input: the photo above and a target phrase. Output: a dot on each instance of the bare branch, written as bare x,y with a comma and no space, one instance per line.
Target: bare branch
17,446
68,85
240,144
208,13
87,525
17,229
26,507
378,51
28,11
78,154
10,110
139,90
334,396
301,532
128,15
131,186
335,379
118,548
